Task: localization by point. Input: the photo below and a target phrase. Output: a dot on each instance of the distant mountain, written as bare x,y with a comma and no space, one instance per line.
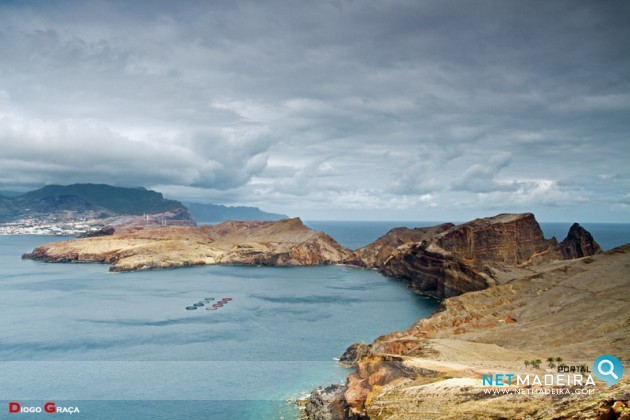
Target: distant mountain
86,200
7,208
5,194
66,203
219,213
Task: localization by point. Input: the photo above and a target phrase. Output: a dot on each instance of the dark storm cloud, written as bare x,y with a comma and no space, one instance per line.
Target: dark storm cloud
420,108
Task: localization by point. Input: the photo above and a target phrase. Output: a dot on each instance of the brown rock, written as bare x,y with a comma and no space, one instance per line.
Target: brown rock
356,392
354,353
285,242
547,306
375,254
578,243
449,260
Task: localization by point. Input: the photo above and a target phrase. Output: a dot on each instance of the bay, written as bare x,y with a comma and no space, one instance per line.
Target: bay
120,345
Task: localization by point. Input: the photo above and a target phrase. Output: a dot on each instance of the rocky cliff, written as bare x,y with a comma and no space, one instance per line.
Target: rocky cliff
574,309
375,254
286,242
447,260
578,243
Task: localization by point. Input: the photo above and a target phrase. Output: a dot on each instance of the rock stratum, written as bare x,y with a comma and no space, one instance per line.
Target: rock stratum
576,310
286,242
511,296
448,260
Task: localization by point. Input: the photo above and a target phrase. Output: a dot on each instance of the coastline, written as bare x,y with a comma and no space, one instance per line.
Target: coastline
444,356
418,354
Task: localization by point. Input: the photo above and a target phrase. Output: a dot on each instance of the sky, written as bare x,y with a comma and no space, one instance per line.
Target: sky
345,110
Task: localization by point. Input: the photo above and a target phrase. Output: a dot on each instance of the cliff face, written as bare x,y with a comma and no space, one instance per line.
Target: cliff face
375,254
448,260
434,271
574,309
508,239
131,248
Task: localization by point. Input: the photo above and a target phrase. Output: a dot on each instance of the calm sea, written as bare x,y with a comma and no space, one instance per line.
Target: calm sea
124,346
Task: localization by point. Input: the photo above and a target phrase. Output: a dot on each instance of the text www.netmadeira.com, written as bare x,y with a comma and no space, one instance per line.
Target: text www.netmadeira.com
538,391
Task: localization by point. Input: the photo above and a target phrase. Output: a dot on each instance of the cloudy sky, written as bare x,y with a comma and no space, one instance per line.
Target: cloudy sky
396,110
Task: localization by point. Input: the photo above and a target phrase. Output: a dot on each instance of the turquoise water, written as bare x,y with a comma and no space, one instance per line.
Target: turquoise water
123,346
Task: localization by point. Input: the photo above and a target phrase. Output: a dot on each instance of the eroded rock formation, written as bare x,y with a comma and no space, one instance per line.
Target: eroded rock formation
448,260
573,309
286,242
578,243
537,301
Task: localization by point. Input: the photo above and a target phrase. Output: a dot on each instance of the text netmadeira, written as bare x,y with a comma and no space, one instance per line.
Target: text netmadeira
50,407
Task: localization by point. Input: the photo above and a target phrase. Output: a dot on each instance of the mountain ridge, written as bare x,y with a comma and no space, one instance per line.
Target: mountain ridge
205,212
84,201
87,201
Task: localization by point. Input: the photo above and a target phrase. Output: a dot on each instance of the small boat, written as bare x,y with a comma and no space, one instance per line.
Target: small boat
210,308
217,305
226,299
198,304
210,298
191,308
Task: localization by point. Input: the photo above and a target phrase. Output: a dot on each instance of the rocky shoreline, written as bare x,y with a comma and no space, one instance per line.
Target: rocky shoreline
546,298
509,295
138,247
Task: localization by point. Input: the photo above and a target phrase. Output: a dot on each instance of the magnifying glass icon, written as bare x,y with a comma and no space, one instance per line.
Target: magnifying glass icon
610,371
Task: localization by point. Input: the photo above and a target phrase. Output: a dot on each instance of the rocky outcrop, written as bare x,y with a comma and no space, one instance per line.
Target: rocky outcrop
433,271
328,404
506,239
448,260
132,248
578,243
513,286
574,309
354,353
375,254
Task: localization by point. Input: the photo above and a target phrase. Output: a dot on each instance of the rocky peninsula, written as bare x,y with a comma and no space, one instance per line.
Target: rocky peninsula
509,296
447,260
285,242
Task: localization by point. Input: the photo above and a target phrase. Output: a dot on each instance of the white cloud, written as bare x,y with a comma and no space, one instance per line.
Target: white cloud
350,105
483,177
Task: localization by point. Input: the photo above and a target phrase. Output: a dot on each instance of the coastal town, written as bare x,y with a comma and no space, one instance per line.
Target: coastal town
38,226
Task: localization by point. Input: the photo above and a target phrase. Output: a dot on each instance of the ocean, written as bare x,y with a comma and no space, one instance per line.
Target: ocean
122,345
